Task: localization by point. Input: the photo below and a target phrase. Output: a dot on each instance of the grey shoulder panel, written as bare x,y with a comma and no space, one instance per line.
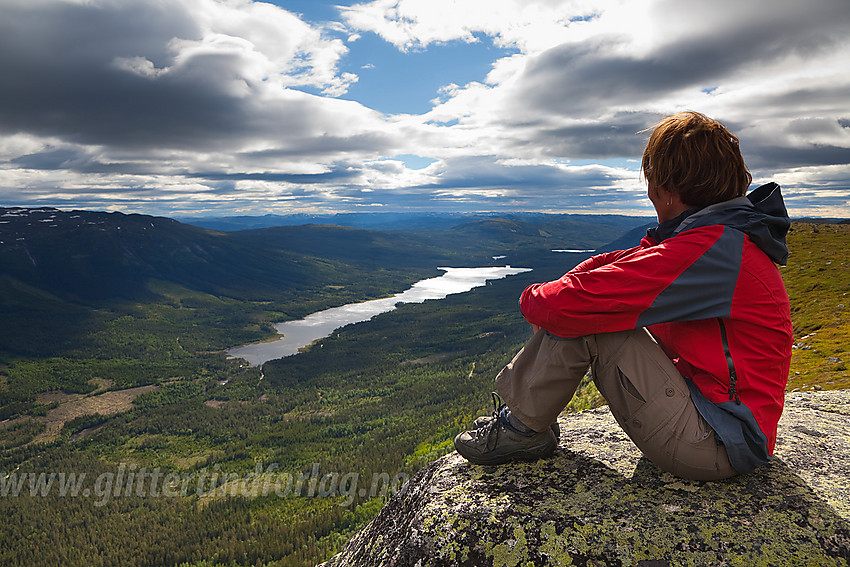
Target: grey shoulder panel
704,290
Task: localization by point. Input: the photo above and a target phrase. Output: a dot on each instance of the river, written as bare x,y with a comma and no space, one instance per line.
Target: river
295,335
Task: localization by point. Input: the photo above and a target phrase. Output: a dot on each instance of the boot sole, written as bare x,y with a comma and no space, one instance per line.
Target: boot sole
523,455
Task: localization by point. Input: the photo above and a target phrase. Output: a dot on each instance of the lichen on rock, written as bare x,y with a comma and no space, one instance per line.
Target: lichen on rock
597,501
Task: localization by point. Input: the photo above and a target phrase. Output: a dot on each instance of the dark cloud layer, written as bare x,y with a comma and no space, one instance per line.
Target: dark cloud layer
113,75
337,175
619,136
60,80
601,79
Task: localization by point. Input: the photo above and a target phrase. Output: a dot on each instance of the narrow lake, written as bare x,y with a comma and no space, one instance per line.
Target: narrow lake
298,334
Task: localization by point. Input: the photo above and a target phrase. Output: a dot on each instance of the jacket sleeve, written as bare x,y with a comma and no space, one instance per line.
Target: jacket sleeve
687,277
600,260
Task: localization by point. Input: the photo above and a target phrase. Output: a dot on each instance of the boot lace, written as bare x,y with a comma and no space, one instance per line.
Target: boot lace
489,433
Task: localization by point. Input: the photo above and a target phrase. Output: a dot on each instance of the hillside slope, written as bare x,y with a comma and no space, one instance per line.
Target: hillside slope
91,256
817,278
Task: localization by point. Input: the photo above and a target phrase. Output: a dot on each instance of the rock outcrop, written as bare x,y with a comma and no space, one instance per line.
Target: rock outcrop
599,502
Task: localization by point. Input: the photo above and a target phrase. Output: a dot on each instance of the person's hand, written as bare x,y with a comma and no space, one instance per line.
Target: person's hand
534,328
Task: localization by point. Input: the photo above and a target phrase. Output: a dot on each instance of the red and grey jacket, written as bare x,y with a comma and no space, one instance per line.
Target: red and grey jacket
707,287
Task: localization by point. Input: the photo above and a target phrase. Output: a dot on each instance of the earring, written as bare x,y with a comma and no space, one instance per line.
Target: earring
670,202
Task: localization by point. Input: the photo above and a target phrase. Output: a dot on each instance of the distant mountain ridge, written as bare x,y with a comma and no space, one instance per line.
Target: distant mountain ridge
91,256
419,221
87,255
370,221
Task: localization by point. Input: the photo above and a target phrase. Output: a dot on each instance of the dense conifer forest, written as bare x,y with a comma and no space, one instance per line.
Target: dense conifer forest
181,456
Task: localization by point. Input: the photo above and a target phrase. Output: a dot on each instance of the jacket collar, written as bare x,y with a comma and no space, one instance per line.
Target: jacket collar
669,227
761,215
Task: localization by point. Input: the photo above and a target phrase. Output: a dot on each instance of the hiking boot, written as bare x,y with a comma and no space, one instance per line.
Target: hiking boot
498,406
496,442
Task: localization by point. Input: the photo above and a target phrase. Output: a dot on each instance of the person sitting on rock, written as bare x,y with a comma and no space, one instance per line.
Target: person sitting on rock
688,335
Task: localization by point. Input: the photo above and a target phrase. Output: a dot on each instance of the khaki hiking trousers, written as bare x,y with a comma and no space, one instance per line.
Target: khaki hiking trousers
645,393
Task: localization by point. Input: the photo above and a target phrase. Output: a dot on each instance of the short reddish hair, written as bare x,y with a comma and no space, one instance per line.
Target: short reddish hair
697,158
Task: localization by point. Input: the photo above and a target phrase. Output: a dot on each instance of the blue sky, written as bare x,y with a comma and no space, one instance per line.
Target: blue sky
397,82
208,107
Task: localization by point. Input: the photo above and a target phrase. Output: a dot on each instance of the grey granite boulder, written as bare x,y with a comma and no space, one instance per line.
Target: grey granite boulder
599,502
